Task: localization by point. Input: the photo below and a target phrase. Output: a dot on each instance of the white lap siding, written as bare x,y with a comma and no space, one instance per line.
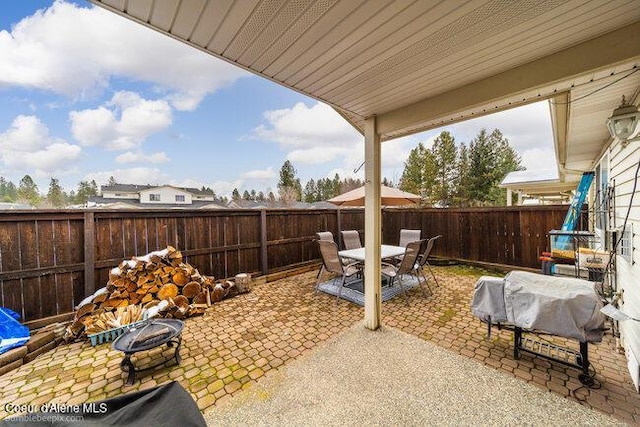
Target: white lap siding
623,165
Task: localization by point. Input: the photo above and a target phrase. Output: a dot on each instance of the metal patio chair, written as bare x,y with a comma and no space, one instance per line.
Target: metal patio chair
351,239
332,264
328,237
407,266
406,236
423,261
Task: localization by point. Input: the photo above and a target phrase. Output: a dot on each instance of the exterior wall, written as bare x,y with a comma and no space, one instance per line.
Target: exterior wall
119,195
167,196
622,168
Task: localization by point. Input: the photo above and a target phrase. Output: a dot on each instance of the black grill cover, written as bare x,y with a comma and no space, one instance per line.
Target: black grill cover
166,405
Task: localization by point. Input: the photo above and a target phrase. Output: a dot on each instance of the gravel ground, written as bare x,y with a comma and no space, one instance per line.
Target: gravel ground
388,377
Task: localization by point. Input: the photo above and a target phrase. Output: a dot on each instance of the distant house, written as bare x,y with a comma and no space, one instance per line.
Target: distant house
150,196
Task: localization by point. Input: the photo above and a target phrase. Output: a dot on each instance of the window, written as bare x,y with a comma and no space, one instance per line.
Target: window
625,247
179,197
154,197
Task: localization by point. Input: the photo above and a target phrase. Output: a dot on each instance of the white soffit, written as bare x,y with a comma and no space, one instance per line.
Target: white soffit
416,65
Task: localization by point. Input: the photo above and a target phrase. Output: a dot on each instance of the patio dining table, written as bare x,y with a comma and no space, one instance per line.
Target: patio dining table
387,251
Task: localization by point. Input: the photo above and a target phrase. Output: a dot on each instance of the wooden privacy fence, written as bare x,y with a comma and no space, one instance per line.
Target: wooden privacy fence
50,260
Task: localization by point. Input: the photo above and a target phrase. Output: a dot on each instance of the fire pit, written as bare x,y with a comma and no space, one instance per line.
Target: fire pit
152,334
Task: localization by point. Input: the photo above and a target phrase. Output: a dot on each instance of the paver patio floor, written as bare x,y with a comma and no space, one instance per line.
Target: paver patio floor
239,340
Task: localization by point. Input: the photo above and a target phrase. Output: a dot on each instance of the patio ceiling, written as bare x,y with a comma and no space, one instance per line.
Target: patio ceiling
415,65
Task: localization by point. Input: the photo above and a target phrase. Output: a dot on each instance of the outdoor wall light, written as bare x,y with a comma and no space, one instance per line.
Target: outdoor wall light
623,123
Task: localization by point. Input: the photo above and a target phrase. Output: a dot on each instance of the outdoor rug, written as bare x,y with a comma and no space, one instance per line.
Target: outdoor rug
354,291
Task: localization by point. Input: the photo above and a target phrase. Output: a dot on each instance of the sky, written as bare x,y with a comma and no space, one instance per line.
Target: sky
86,94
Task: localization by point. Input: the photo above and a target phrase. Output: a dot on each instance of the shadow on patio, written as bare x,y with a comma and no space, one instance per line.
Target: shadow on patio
239,340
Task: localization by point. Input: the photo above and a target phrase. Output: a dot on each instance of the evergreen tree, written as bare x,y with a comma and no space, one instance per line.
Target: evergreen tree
56,196
11,194
271,197
28,191
8,191
235,195
419,174
112,181
310,193
261,197
444,158
246,195
490,159
85,190
289,186
253,195
463,186
412,179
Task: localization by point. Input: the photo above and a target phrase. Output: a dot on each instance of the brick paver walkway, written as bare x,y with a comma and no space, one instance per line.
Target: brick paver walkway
238,340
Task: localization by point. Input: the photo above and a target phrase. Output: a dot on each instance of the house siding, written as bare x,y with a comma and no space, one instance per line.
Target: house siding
623,164
167,195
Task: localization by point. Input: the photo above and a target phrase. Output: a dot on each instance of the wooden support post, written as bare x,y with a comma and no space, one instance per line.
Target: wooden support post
372,225
339,225
89,254
263,242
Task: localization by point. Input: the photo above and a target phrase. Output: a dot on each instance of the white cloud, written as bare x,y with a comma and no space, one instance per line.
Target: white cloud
139,157
314,134
540,162
27,147
267,173
97,45
122,123
141,175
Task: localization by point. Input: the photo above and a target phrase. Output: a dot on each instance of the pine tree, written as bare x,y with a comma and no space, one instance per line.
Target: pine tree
289,186
7,191
85,190
310,193
112,181
490,159
444,158
28,191
412,179
56,196
246,195
235,195
463,186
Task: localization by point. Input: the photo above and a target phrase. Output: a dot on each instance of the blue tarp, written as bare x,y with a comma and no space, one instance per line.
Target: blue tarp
12,333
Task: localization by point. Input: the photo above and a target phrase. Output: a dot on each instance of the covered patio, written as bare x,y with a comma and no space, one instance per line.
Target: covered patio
395,68
241,340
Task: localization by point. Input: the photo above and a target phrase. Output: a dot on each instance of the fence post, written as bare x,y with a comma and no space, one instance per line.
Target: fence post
89,254
263,242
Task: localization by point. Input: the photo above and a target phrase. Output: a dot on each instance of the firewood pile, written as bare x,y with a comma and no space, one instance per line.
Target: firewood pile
160,283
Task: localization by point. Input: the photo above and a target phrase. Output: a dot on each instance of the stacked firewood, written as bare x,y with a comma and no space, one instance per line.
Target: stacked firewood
160,279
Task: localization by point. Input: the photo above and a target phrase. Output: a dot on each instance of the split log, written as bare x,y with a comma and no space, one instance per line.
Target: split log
191,289
168,291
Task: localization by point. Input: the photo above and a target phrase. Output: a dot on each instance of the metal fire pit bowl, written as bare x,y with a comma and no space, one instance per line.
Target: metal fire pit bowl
147,336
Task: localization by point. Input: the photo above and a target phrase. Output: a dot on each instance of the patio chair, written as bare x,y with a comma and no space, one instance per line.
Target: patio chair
326,236
406,236
351,239
407,266
332,264
423,261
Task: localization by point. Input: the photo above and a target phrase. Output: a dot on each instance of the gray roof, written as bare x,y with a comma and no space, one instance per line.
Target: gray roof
135,188
12,206
197,204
